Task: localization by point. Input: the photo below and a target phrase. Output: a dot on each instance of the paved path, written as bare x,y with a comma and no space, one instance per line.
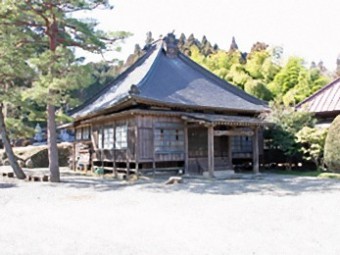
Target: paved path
267,214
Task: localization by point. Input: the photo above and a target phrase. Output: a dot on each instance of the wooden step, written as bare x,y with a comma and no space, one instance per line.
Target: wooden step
37,178
8,174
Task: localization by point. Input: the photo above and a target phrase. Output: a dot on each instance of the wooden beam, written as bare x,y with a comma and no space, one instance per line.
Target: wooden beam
233,132
115,172
74,165
211,163
186,149
94,138
153,149
137,154
256,151
230,151
128,151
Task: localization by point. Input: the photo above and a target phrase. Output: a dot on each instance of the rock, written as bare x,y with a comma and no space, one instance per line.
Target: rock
21,163
65,152
37,156
39,159
174,180
4,156
29,163
133,177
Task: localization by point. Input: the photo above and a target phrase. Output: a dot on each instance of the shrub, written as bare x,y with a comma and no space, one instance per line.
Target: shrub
332,146
312,142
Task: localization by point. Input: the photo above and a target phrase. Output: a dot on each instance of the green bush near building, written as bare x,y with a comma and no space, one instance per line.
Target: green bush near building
332,146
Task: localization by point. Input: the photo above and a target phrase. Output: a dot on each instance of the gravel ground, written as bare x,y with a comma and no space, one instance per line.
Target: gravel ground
265,214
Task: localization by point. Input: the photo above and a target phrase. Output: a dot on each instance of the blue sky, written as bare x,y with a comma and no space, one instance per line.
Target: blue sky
308,29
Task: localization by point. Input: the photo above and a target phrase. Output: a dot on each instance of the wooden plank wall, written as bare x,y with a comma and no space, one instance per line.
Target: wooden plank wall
147,126
118,155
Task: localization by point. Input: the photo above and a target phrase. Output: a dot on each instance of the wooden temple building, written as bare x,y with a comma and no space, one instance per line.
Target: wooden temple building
324,103
167,112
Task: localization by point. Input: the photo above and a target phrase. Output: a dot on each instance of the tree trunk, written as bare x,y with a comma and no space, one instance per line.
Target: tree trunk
51,123
52,145
8,148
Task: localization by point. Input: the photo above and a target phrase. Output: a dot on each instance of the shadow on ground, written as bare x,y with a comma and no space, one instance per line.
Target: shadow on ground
266,184
7,185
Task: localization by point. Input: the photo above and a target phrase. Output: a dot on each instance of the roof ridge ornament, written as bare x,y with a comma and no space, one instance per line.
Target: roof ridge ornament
170,45
134,90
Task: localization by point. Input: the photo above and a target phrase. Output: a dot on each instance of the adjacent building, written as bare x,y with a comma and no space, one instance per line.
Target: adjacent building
324,103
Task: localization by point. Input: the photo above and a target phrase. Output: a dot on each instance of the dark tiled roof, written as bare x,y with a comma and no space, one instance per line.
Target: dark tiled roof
176,80
327,99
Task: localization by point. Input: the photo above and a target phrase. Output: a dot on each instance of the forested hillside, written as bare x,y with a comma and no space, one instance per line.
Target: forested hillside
261,72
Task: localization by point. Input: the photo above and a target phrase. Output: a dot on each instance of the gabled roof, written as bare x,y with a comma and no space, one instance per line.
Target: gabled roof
326,99
170,80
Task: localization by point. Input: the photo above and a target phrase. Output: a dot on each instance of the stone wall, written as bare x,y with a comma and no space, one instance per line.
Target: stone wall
37,156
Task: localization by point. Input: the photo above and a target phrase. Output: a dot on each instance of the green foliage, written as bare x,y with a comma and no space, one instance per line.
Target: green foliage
101,74
17,128
15,75
312,142
38,39
257,73
332,146
287,123
59,73
258,89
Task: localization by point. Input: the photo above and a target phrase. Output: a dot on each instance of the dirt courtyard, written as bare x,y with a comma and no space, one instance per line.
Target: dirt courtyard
265,214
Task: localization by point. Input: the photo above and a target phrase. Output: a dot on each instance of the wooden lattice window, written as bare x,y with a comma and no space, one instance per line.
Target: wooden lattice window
100,138
108,141
121,136
169,140
78,134
242,144
86,133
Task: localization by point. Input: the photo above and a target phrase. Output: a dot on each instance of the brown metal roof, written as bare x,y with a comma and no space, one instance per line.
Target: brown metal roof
327,99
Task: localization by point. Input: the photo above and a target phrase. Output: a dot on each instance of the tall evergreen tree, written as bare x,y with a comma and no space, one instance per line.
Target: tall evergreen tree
53,22
233,45
13,69
149,38
337,70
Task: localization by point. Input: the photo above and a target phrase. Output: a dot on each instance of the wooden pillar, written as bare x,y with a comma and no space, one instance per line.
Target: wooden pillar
256,150
186,145
74,164
137,146
94,147
153,150
211,159
127,162
230,151
115,172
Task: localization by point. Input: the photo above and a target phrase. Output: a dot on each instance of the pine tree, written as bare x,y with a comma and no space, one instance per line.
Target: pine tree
233,45
13,69
56,29
337,71
149,38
